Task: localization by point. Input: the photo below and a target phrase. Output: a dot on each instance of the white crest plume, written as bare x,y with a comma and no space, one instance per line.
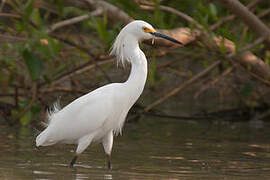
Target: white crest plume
117,48
51,112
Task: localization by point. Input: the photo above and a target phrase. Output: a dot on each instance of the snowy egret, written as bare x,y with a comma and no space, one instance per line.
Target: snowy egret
100,114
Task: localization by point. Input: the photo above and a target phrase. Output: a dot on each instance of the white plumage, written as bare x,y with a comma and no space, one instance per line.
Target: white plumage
96,116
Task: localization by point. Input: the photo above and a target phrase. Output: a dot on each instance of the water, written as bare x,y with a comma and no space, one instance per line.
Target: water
150,149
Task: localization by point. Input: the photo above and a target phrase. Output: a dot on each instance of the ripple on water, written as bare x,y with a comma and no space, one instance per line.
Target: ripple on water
155,149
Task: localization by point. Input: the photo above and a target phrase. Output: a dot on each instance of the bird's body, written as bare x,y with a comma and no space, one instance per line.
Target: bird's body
96,116
106,108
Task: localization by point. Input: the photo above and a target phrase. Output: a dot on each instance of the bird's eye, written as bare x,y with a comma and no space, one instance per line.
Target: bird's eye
145,29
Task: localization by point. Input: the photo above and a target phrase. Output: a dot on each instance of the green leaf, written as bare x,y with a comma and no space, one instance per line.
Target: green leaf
267,58
26,119
101,29
190,73
60,6
19,26
28,9
246,90
213,9
36,16
152,72
222,48
34,64
60,69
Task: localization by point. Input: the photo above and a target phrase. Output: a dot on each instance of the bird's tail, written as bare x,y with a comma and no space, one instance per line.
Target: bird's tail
42,139
51,112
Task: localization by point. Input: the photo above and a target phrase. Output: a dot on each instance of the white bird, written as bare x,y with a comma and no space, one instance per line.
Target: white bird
100,114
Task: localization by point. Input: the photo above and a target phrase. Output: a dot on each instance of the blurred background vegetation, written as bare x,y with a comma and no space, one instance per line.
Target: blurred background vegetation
58,50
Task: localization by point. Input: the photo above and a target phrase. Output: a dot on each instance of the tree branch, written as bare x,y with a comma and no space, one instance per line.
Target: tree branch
248,17
33,99
182,86
231,17
214,43
114,12
74,20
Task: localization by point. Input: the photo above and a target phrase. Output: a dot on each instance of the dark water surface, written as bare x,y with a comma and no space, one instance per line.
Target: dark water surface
150,149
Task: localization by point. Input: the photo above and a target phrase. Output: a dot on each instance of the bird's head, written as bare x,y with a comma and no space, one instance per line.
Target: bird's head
143,30
139,30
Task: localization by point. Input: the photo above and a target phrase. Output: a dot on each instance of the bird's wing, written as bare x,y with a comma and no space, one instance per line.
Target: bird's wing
84,115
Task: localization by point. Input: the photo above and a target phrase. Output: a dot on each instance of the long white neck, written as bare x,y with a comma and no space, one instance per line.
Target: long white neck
138,74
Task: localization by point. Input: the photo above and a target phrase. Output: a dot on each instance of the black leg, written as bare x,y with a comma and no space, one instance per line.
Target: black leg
109,164
73,161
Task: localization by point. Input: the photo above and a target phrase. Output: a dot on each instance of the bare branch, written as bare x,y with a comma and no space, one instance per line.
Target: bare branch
82,48
207,70
248,17
264,13
63,89
80,70
15,38
10,15
231,17
174,11
2,5
248,47
244,57
74,20
182,86
113,11
33,99
213,82
214,43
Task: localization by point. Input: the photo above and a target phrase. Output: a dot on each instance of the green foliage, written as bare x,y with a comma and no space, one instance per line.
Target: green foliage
213,11
222,48
35,17
152,72
34,64
60,6
28,117
28,9
267,57
106,34
38,57
101,27
129,7
246,90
